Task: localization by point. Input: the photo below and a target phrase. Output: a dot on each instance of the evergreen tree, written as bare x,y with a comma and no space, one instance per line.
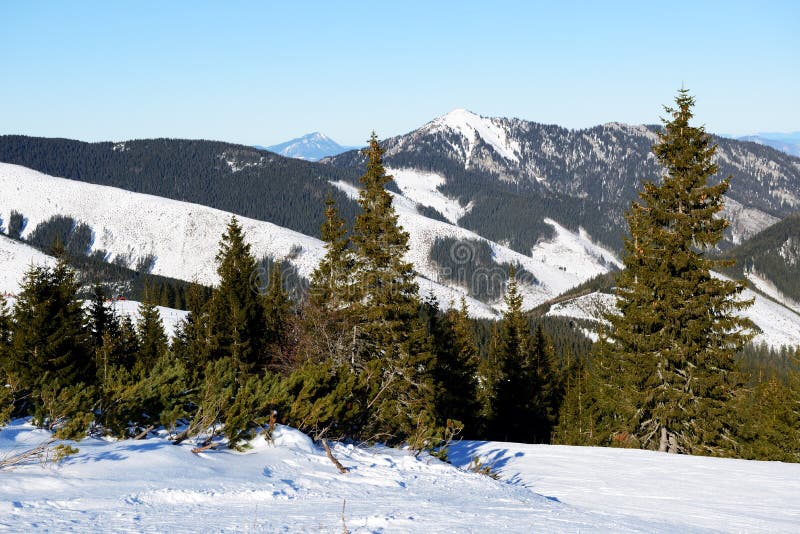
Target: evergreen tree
277,307
153,341
101,318
392,344
666,365
51,347
329,282
6,387
236,321
515,388
456,371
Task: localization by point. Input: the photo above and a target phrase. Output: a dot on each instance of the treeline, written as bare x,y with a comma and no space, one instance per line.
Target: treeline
361,357
239,179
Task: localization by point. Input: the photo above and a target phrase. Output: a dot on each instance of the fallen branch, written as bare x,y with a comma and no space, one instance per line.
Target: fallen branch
143,433
344,523
342,469
197,450
40,452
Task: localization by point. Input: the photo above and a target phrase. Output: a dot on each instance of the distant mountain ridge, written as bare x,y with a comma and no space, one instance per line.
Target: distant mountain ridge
511,170
310,147
785,142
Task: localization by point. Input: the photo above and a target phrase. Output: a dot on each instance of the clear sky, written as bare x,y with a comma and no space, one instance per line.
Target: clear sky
262,72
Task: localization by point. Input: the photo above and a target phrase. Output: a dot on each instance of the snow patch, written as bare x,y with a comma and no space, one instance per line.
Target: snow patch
422,187
469,125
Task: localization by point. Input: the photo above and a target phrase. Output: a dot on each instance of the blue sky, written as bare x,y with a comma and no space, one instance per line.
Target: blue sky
264,72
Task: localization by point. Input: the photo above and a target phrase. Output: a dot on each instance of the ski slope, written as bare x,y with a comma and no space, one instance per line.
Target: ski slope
15,260
290,486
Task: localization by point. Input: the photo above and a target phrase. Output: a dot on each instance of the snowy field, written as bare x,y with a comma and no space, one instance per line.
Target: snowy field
290,486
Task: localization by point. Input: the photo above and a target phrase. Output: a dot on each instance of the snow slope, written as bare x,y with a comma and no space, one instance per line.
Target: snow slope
290,486
675,493
181,236
779,325
169,316
15,260
558,265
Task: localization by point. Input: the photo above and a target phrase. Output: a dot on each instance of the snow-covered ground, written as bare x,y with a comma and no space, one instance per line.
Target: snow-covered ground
290,486
675,493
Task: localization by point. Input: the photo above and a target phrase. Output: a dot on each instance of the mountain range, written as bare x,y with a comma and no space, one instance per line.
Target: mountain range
785,142
473,192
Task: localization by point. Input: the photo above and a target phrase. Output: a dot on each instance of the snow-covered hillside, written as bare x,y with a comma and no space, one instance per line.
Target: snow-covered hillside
558,265
779,325
182,237
15,259
290,486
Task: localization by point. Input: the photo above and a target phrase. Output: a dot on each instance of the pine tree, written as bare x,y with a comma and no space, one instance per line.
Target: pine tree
514,390
51,347
666,365
277,307
456,371
329,282
153,341
236,320
101,318
392,344
6,388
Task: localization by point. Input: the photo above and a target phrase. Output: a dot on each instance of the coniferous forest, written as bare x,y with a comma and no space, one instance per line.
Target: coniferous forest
358,355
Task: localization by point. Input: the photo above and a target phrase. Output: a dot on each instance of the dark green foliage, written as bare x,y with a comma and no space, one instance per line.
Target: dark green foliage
330,282
666,368
769,427
76,237
456,371
16,224
774,254
239,179
237,322
326,399
277,306
523,404
470,263
51,347
153,341
392,345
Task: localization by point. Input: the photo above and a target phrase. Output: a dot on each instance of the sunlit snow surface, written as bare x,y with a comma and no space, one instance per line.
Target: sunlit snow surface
290,486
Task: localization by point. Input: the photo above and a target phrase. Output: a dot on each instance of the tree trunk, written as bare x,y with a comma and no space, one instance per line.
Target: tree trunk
662,444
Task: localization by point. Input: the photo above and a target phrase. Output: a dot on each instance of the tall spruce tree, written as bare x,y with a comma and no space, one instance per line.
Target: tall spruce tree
666,368
391,341
51,348
236,320
153,341
515,386
456,371
329,282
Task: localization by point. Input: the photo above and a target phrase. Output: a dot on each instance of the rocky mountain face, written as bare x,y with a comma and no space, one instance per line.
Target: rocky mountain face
581,178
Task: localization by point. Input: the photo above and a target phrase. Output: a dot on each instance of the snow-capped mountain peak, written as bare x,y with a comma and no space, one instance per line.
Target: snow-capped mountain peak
311,147
472,127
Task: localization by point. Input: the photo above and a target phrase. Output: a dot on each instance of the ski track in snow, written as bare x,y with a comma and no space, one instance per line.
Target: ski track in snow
290,486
